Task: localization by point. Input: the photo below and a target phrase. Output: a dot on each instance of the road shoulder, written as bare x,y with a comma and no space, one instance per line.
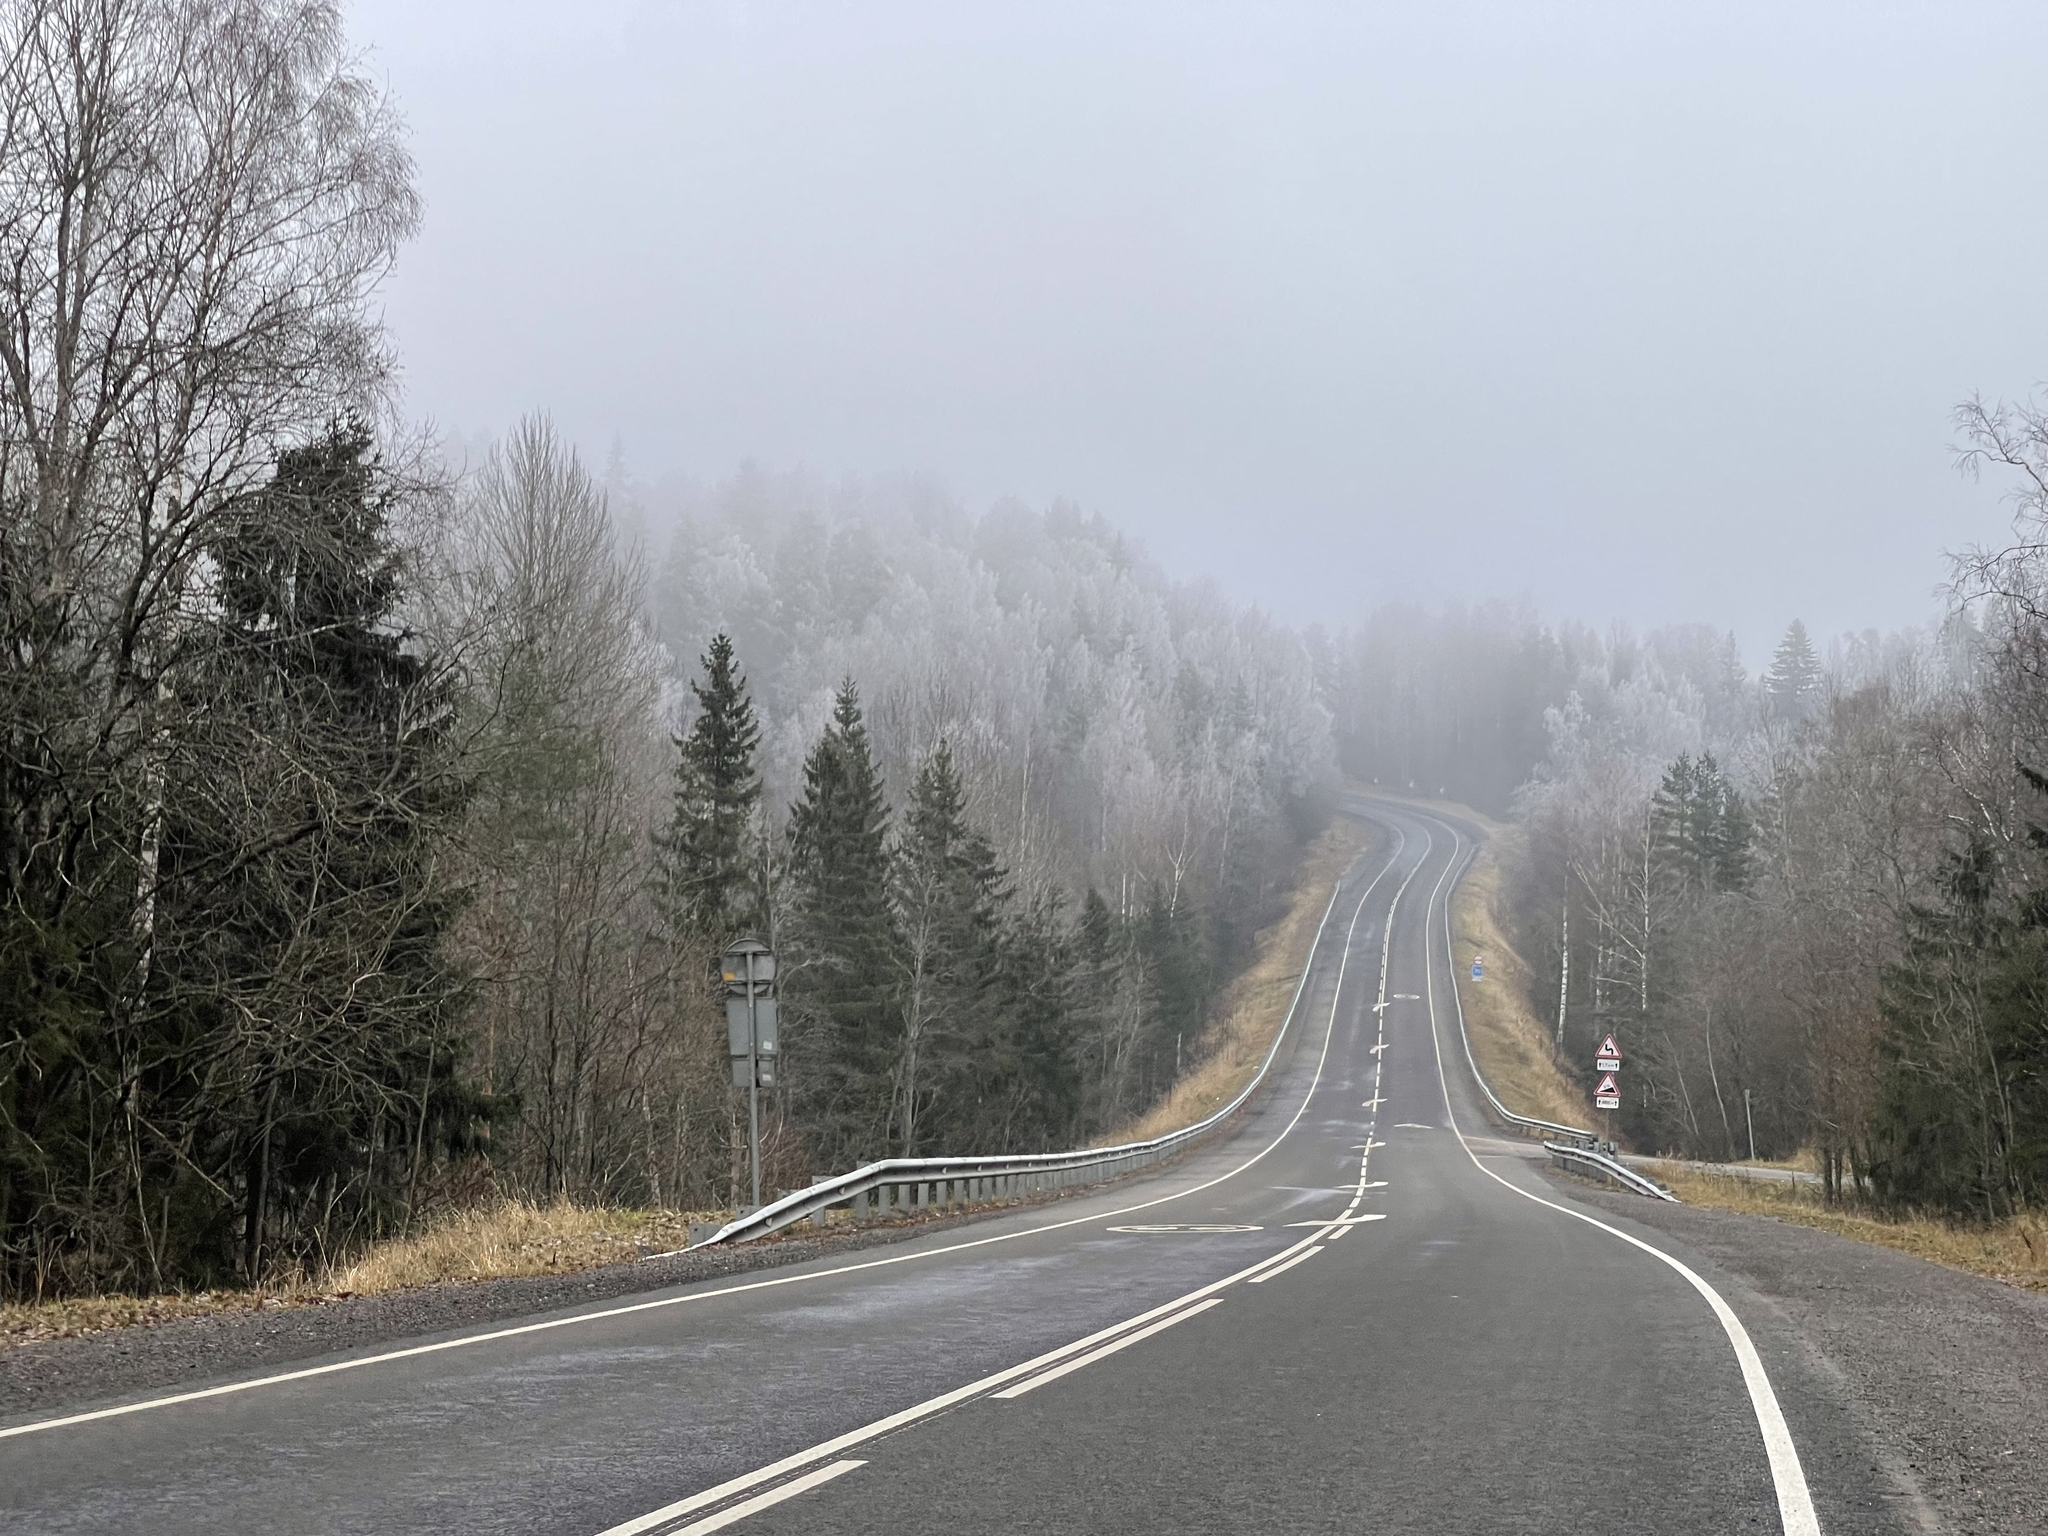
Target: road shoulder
54,1375
1944,1374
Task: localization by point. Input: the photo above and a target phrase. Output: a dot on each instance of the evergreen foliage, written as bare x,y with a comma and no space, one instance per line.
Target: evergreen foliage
1701,828
265,1047
709,861
1960,1121
950,900
841,1050
297,950
1794,679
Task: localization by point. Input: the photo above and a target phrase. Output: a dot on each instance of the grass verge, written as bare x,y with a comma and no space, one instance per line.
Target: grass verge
1255,1004
2014,1250
515,1238
1512,1047
504,1241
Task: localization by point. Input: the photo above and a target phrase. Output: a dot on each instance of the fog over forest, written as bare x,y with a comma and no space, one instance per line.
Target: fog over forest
443,608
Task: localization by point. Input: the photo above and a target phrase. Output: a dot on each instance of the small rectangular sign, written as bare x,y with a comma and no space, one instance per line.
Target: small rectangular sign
765,1076
1607,1064
737,1022
1607,1101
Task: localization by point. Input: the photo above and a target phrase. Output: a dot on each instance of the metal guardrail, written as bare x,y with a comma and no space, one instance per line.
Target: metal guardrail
923,1183
1584,1158
1520,1122
1581,1150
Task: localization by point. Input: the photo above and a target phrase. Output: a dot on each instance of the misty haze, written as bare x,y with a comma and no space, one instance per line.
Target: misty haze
907,767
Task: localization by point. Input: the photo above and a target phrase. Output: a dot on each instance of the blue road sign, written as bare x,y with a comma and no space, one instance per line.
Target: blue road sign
1478,969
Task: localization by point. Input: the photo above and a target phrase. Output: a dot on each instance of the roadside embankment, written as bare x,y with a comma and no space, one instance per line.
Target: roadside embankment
48,1373
515,1258
1943,1376
1254,1005
2014,1250
512,1239
1512,1047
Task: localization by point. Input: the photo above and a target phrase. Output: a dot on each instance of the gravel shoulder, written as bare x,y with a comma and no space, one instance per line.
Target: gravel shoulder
55,1375
1945,1374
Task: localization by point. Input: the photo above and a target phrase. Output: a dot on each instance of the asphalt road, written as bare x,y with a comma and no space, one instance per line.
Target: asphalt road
1362,1310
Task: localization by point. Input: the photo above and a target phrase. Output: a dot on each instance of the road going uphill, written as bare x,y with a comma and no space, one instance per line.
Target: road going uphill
1362,1309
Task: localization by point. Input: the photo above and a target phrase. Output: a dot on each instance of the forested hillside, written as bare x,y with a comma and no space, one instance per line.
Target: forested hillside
373,810
1807,902
372,815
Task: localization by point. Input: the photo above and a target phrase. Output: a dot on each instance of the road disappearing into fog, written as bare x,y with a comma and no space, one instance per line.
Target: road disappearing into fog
1360,1310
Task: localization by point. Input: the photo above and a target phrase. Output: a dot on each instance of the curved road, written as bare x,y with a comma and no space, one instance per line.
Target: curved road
1359,1311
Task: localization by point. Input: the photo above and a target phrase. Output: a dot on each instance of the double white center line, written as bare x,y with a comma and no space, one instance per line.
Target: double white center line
1010,1383
1032,1374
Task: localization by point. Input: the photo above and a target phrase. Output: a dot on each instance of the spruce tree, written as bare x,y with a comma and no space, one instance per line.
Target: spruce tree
707,861
843,986
1794,679
953,1049
1702,830
298,968
1960,1118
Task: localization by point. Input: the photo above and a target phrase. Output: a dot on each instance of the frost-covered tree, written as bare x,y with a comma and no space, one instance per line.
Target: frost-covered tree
1794,679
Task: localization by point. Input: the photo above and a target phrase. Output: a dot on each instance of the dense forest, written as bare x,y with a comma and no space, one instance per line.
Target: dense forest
370,823
373,810
1808,902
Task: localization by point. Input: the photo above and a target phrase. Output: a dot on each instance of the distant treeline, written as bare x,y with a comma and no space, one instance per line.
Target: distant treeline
369,829
1807,903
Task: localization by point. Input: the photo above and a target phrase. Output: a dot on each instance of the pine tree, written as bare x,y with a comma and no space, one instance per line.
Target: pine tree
707,862
950,897
1701,828
298,965
843,988
1794,679
1960,1120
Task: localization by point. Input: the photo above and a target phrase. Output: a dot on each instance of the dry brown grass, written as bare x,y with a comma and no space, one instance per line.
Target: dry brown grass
2015,1250
31,1322
497,1242
1255,1003
515,1238
1511,1045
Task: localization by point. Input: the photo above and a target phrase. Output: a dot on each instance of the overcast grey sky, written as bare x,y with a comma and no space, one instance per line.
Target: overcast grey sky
1649,311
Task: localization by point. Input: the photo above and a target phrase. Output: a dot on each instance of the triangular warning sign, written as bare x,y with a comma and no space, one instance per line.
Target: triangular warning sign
1608,1048
1607,1088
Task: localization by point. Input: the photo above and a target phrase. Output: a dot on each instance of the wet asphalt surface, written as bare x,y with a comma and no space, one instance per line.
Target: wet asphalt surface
1473,1361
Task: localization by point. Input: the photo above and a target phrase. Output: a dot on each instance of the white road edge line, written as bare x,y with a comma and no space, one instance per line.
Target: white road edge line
945,1400
1795,1502
768,1500
1109,1349
414,1351
927,1408
1281,1269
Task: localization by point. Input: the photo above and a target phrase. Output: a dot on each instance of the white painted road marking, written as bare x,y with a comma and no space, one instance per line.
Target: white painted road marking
1339,1221
1287,1258
1281,1269
930,1406
1109,1349
768,1500
524,1329
1795,1502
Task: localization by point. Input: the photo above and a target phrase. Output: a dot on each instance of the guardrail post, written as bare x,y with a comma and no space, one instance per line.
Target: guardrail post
860,1207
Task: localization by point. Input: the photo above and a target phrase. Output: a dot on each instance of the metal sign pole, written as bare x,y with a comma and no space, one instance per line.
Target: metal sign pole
754,1079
